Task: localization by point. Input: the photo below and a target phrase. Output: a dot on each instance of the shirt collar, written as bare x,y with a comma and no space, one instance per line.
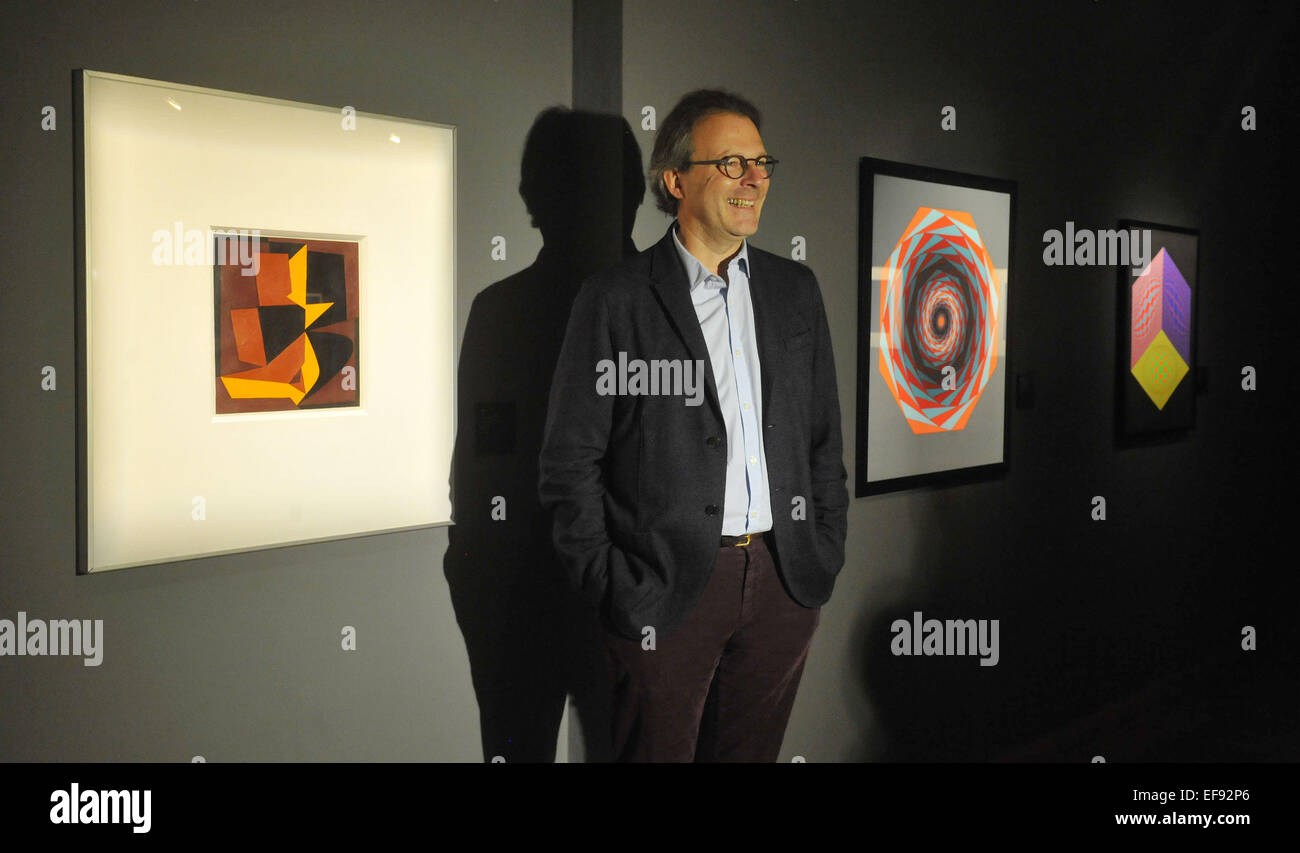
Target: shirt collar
697,274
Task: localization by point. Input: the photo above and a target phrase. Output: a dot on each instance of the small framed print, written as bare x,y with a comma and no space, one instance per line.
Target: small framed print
1155,387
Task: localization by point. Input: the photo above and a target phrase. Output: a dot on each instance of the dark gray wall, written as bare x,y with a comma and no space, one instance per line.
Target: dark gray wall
238,658
1099,111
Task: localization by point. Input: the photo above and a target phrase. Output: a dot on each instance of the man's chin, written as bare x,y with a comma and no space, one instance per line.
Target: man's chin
744,228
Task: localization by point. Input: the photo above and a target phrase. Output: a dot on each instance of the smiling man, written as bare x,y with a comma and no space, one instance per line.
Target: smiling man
707,536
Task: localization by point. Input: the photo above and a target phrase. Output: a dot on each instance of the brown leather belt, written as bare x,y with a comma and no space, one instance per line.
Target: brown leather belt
741,541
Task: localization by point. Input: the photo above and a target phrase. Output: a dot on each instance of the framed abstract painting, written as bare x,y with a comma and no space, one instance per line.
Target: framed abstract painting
283,335
934,276
1155,387
266,323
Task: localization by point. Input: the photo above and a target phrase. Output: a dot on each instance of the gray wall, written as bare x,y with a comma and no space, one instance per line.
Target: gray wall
238,658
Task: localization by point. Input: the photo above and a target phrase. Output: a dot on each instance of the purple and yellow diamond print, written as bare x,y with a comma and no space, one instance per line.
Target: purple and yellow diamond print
938,320
1160,335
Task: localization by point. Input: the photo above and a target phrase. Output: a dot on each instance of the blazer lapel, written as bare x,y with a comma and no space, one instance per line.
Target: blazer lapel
668,277
763,295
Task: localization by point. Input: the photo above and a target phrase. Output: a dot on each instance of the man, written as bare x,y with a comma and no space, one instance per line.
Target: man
706,521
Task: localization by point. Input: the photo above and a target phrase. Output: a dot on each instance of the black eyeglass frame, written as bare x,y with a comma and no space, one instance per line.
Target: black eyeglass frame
766,163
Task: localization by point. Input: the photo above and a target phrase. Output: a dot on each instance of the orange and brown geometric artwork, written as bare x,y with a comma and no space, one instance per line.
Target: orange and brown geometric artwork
287,336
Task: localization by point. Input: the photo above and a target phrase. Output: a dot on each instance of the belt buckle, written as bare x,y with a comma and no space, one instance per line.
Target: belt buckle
744,544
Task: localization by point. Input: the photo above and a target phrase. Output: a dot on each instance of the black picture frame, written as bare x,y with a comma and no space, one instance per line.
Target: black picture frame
1138,420
989,452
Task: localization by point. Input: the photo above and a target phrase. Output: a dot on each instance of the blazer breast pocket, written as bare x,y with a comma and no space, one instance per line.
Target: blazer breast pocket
799,340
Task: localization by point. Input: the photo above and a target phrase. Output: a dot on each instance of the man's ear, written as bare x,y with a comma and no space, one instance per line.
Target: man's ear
673,183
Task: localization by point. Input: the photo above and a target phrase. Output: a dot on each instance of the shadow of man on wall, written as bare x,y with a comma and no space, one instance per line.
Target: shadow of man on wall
531,639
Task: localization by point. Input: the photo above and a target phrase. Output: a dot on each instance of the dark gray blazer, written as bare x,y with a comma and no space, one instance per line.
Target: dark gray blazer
636,484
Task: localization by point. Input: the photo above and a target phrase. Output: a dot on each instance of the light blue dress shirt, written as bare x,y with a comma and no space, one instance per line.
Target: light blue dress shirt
726,316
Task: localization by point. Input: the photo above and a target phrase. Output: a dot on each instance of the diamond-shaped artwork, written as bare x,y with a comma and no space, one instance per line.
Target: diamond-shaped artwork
1160,332
1160,369
1155,363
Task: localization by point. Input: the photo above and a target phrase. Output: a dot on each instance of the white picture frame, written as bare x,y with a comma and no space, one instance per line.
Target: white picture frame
162,477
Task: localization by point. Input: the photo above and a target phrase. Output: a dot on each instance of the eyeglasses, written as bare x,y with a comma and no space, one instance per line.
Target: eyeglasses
735,165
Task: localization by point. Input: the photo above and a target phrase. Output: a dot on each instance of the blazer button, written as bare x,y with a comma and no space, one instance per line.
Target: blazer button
711,441
711,509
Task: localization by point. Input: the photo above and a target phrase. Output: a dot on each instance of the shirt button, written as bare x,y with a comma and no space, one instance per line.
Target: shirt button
753,460
747,407
737,352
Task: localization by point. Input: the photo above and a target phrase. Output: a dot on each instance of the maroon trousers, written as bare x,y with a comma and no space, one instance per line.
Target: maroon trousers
721,686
